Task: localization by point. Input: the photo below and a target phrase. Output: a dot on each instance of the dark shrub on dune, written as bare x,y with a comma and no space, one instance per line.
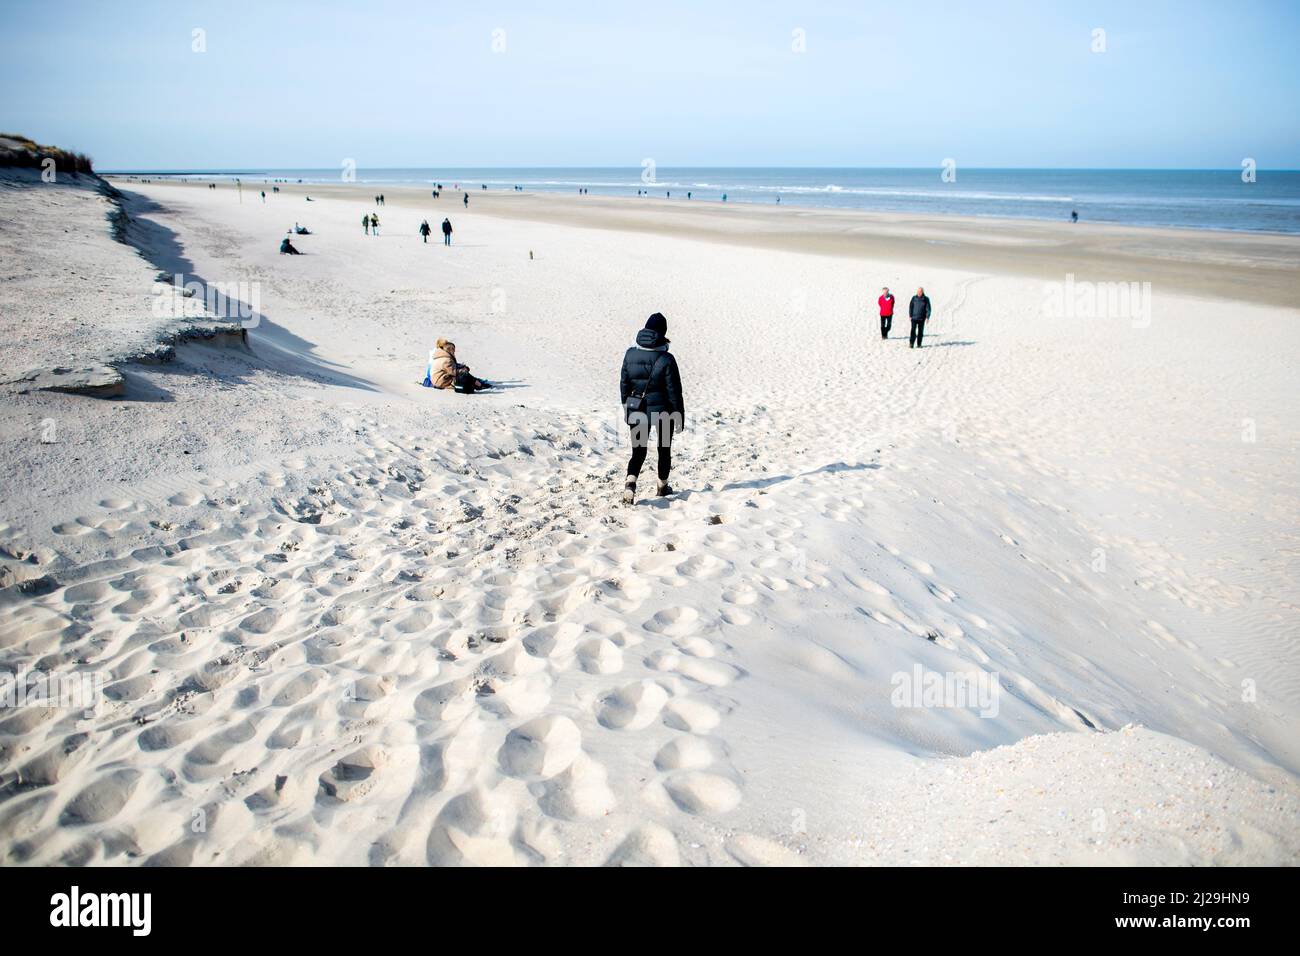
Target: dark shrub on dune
25,153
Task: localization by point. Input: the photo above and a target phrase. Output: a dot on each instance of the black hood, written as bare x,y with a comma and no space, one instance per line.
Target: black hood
650,339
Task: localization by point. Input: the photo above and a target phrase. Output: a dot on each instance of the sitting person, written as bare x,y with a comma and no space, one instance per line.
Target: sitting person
301,230
445,372
286,248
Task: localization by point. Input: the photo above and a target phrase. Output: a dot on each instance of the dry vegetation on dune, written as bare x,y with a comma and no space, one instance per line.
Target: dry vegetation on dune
16,150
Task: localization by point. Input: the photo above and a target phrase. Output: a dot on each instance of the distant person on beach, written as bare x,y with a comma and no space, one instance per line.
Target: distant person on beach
301,230
919,311
446,232
724,197
263,195
886,303
425,230
1074,215
467,200
445,371
650,389
287,249
374,224
365,223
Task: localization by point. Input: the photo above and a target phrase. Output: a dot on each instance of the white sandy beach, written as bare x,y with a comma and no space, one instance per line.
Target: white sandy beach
346,620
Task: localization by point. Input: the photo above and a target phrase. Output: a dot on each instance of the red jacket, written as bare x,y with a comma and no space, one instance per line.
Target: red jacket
886,305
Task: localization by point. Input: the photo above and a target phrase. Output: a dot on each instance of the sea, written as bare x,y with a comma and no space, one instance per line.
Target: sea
1243,199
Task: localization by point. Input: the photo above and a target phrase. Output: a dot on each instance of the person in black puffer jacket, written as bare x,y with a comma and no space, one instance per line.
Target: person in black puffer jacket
650,389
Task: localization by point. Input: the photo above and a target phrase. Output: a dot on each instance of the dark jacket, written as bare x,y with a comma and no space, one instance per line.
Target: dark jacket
446,227
654,370
920,307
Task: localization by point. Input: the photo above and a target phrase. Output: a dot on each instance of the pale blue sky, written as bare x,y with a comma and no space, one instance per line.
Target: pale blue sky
901,83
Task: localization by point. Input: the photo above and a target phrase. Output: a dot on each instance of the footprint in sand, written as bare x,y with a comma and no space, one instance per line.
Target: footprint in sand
540,748
736,617
353,777
687,752
675,622
600,655
697,792
866,584
581,792
691,715
631,707
648,845
102,800
740,595
751,850
711,673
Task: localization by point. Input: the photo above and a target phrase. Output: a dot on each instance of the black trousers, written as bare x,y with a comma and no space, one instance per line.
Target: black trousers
641,445
918,330
886,323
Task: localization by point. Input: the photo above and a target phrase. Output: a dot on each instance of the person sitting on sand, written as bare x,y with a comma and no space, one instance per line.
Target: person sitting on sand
301,230
445,372
650,388
287,249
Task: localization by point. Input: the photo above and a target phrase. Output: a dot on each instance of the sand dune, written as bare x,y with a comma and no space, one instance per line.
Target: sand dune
345,620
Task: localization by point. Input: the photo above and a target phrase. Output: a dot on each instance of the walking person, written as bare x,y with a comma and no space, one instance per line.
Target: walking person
650,389
886,303
365,223
467,200
425,230
919,311
446,232
374,224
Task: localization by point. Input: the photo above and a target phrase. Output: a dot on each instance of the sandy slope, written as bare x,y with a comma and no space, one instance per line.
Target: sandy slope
363,622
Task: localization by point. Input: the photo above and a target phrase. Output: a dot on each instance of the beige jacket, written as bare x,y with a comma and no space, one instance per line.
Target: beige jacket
442,370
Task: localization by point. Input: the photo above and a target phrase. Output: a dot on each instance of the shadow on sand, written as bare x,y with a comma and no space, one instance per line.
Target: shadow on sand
161,247
768,482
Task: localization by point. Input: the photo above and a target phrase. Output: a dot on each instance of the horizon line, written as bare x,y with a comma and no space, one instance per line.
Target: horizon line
1095,169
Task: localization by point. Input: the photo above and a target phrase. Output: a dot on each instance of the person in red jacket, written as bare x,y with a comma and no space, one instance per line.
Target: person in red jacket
886,303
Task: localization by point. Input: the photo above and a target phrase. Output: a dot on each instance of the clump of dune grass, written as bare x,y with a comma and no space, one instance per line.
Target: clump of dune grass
20,151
